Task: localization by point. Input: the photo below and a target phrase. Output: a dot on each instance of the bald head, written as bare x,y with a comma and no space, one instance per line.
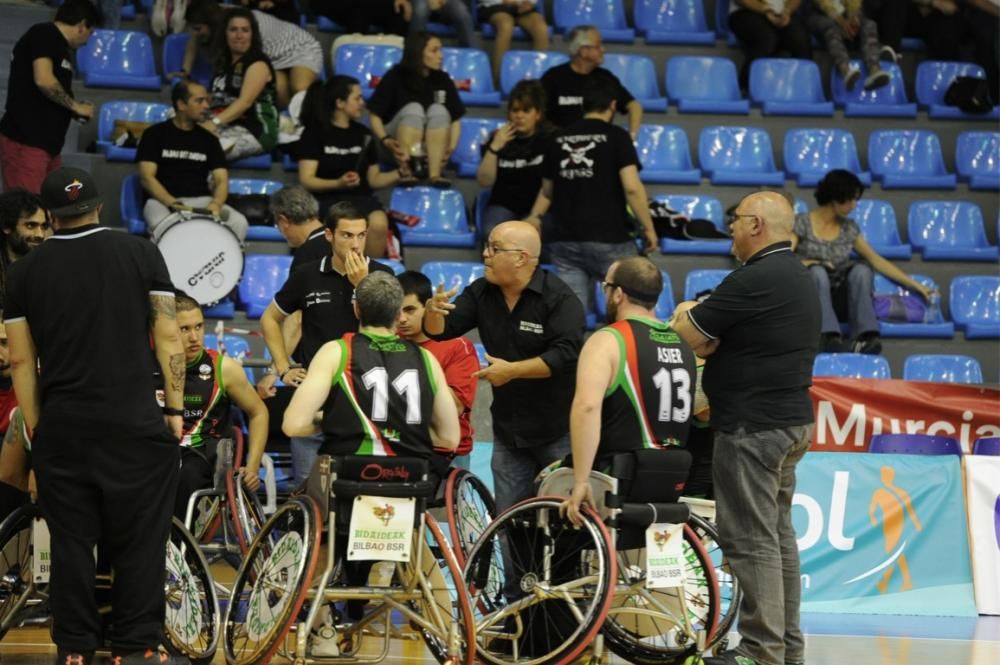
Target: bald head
521,235
775,210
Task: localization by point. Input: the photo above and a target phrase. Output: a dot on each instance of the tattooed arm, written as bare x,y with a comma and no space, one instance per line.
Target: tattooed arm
169,353
24,370
49,86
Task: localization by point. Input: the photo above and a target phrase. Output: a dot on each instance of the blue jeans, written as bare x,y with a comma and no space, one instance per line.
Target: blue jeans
580,264
856,290
754,476
454,12
514,469
304,450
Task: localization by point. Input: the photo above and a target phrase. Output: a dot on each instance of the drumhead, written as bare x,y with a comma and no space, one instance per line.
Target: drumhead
204,257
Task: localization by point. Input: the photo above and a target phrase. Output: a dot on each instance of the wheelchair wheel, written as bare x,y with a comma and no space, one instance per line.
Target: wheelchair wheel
272,583
245,510
192,617
207,519
729,589
16,582
649,625
540,587
470,509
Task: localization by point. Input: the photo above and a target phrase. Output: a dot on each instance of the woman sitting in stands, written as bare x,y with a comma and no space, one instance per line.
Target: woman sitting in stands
244,112
513,157
824,239
415,110
337,156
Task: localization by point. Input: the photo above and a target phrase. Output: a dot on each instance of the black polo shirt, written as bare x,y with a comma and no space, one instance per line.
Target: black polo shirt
564,89
85,295
325,298
315,248
548,323
766,317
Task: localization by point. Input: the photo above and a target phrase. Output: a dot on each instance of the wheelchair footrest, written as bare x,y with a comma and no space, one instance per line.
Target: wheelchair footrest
643,514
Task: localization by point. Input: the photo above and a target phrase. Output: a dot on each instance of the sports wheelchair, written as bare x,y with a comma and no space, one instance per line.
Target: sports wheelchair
281,592
544,591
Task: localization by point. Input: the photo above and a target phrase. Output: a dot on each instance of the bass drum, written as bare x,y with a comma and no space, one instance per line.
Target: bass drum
203,255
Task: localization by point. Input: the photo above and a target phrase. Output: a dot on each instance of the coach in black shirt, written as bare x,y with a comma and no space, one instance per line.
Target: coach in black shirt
532,327
760,330
81,306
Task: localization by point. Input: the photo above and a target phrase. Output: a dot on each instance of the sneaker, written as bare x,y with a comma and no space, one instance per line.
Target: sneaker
158,18
323,642
851,77
177,23
149,657
73,658
729,658
868,343
884,53
877,80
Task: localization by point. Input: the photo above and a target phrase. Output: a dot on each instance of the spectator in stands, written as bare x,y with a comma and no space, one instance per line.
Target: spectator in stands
824,240
295,55
457,356
323,291
181,164
838,22
512,160
244,110
504,16
981,19
564,84
415,110
283,10
25,225
390,16
890,18
338,156
454,12
767,28
40,101
590,175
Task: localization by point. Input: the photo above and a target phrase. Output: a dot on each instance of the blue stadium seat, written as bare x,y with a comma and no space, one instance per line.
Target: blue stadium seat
453,274
323,24
787,86
470,67
396,265
481,354
638,74
800,207
977,159
974,301
443,221
173,59
812,153
224,309
989,445
236,347
942,368
482,198
474,132
949,231
696,207
257,186
703,84
517,65
738,156
135,111
367,63
665,155
908,159
118,59
888,101
939,329
263,276
489,32
128,11
607,15
130,202
672,22
851,366
700,281
664,304
933,79
914,444
255,163
877,221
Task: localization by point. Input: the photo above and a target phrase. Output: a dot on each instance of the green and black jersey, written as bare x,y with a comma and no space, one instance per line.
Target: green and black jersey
206,404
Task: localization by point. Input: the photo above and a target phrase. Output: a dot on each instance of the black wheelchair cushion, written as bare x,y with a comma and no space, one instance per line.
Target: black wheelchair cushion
654,475
380,468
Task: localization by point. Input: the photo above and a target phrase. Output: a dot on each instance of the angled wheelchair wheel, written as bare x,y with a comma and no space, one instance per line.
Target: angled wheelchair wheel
729,588
663,625
245,511
192,616
470,509
272,583
17,585
540,587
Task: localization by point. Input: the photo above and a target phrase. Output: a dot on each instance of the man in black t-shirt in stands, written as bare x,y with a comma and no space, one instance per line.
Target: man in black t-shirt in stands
40,100
591,173
323,291
564,84
182,165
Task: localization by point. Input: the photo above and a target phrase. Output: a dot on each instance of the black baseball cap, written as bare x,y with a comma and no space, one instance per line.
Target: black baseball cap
69,192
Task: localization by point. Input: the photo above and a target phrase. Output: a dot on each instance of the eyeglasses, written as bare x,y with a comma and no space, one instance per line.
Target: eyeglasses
735,217
491,249
609,285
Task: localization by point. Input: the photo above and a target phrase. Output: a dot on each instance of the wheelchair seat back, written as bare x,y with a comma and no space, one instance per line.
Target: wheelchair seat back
654,475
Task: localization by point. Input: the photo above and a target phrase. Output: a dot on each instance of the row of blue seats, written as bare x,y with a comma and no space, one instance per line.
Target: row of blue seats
936,368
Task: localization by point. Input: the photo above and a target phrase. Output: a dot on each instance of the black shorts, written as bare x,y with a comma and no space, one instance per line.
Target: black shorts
486,13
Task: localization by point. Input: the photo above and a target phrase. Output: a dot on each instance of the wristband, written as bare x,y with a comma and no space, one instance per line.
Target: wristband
489,148
170,411
384,138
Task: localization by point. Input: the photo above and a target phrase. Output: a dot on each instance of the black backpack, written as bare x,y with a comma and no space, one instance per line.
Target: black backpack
970,94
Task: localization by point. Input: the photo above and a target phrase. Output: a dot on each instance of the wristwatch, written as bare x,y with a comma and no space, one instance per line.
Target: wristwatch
216,121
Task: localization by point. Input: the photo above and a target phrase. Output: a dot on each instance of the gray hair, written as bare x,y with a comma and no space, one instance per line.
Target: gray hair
295,203
379,297
579,37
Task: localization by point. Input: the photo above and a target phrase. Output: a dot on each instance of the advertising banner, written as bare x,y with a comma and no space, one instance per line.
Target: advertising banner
883,534
850,411
982,482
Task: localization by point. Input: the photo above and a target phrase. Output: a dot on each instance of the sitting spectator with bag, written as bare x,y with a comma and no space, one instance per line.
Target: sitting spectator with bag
824,239
181,165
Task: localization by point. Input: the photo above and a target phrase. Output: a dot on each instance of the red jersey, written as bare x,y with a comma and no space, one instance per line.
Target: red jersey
8,402
459,361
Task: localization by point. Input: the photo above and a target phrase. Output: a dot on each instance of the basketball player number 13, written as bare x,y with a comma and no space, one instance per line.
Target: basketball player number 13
665,380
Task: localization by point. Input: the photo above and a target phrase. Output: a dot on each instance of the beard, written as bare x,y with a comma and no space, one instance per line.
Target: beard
18,245
611,315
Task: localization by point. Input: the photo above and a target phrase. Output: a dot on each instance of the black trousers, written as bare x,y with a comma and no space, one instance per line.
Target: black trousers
761,39
120,492
196,473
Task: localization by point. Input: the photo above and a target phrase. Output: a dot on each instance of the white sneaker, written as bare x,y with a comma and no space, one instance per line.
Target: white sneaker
323,642
877,79
888,53
158,18
177,23
851,77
